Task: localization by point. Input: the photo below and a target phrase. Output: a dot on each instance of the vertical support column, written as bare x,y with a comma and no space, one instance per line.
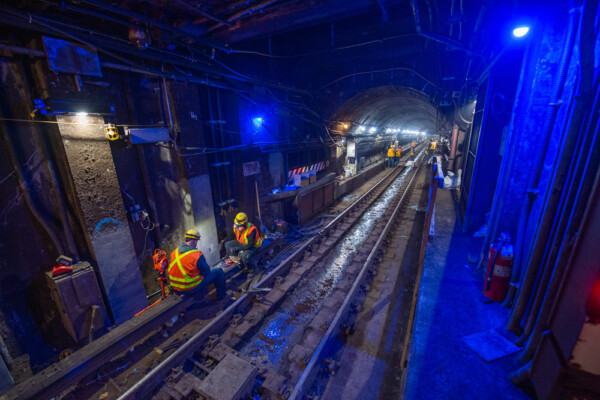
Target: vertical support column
97,189
201,202
453,147
351,159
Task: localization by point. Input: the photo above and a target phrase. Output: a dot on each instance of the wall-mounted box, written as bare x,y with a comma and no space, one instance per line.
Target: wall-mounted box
75,293
148,135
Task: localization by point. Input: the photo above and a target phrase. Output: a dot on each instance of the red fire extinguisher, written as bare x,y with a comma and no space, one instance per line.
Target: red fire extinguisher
499,269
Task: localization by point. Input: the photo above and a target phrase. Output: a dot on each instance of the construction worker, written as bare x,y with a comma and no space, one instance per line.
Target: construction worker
413,144
189,272
412,154
432,146
391,156
398,155
245,241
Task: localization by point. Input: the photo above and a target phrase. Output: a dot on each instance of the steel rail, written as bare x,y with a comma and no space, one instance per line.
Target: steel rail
142,388
308,375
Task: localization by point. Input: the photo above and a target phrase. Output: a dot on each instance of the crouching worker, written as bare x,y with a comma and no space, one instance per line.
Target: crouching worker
188,271
245,239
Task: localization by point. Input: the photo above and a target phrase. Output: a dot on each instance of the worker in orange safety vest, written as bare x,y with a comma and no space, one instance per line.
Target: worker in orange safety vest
189,271
245,241
391,154
398,155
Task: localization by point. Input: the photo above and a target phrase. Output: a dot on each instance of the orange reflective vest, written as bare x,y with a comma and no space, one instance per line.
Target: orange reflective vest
413,144
432,146
399,152
242,237
391,152
183,270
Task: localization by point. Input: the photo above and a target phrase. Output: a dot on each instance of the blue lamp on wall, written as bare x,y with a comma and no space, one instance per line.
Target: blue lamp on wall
520,31
257,121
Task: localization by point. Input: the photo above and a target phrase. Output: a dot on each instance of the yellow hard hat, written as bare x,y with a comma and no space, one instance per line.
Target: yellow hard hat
192,234
240,219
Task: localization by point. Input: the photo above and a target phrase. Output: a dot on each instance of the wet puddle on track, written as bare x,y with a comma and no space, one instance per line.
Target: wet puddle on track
284,328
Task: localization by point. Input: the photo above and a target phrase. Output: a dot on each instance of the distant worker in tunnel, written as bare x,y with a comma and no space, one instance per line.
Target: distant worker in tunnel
398,155
245,241
430,148
432,145
412,154
391,155
413,144
189,272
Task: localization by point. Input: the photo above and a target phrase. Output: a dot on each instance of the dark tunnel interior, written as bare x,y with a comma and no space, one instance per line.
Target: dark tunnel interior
126,124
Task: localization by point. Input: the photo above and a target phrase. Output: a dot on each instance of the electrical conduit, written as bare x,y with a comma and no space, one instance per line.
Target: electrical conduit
530,274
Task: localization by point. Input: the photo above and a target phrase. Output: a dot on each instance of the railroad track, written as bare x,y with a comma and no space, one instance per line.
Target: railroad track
210,353
198,341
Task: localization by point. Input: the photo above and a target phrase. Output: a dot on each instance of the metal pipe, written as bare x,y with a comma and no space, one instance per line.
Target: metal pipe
22,50
454,140
199,10
216,156
167,102
22,184
41,141
147,184
529,278
583,174
438,38
544,244
28,21
119,67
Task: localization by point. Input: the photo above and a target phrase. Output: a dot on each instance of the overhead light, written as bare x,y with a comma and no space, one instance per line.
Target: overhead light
81,114
345,126
361,128
520,31
258,121
372,129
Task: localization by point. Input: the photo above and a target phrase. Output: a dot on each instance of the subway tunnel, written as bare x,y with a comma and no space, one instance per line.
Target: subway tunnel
400,196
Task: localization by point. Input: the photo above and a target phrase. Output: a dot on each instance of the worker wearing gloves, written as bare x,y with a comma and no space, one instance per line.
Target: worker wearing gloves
398,155
189,272
391,156
245,241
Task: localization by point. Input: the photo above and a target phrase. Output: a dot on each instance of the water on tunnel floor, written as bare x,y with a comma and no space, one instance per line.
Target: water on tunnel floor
282,329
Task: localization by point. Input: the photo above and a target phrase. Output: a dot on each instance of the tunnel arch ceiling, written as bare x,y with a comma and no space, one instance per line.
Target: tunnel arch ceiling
390,107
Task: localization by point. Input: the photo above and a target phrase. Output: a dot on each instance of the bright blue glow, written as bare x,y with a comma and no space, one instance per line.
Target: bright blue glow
520,31
258,121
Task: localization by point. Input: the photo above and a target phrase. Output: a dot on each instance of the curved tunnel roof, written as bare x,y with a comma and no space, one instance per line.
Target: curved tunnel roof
390,107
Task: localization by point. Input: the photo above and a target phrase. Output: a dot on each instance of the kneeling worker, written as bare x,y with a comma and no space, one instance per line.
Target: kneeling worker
245,239
188,270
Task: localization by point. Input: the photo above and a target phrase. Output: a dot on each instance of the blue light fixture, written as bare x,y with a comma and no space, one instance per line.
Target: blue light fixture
520,31
258,121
